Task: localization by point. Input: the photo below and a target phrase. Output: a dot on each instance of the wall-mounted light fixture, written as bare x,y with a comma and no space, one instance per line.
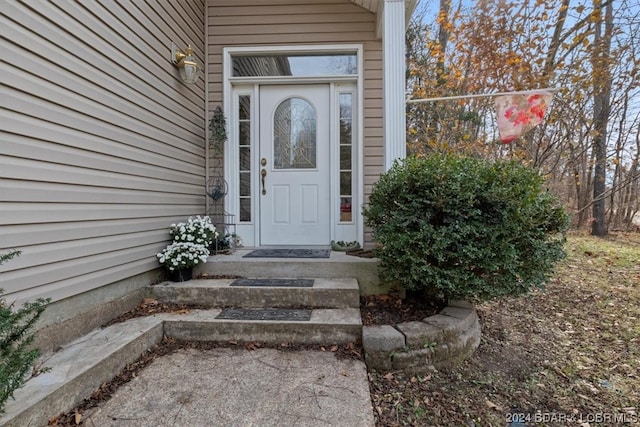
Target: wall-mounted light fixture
186,63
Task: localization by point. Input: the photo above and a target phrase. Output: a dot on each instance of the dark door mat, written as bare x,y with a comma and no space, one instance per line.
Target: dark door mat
265,314
285,283
288,253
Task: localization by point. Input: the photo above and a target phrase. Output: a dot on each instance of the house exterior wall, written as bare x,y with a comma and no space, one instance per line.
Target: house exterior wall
233,23
101,143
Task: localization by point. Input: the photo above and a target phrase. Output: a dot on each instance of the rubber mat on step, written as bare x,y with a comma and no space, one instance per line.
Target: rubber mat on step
282,283
265,314
288,253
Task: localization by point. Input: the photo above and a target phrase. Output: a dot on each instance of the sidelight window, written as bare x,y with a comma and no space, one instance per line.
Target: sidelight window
244,149
346,157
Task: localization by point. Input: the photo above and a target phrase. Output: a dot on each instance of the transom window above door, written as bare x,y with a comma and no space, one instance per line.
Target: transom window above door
296,65
294,135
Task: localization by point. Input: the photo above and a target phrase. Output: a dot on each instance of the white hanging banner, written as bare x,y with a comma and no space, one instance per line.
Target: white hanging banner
518,113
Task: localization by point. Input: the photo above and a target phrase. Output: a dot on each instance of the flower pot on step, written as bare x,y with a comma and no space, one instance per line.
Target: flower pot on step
181,275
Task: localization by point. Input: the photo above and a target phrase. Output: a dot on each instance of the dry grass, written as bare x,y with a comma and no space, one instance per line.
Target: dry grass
566,355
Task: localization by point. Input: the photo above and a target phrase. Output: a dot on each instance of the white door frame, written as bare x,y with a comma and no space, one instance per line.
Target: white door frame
233,87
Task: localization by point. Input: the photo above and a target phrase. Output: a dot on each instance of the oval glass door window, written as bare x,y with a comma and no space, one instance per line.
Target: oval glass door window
294,135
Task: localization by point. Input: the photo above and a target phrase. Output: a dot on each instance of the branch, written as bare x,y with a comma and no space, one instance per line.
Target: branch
610,191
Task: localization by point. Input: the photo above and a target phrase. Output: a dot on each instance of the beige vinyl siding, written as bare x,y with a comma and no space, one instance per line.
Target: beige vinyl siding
101,143
309,22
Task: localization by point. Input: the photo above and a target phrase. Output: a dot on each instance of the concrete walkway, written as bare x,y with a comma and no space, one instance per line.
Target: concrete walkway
218,387
237,387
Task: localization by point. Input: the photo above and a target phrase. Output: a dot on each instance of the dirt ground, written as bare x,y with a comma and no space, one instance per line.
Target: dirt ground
565,355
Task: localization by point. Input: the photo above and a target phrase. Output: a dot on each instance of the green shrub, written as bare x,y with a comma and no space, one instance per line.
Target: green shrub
461,227
16,335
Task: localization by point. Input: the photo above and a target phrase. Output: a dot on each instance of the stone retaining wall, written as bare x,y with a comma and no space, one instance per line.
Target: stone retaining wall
439,341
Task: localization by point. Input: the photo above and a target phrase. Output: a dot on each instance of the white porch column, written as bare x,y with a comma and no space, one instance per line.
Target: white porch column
394,81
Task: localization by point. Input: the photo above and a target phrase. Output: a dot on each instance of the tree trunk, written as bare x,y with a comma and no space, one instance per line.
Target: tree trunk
443,38
601,108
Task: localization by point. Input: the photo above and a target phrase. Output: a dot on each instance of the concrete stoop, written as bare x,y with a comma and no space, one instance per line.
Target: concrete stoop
333,306
338,265
326,326
325,293
80,367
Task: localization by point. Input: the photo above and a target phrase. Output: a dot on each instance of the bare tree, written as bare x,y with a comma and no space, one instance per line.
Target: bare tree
600,62
587,147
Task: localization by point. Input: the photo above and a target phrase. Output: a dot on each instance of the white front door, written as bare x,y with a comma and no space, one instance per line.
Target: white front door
294,188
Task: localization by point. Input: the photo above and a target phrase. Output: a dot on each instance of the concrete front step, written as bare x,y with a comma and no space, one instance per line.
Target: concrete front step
326,326
78,369
81,367
325,293
338,265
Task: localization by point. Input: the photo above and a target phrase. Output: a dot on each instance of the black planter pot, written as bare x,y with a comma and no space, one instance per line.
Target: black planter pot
181,275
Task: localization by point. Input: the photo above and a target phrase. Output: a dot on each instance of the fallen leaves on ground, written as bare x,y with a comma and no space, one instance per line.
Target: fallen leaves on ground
391,310
567,353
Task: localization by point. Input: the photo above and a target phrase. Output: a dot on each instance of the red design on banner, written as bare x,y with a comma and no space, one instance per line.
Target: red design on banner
518,113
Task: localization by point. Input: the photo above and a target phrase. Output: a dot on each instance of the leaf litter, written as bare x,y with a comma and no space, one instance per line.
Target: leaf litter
569,353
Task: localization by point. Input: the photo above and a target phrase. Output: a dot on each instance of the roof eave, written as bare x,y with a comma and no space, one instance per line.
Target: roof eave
376,6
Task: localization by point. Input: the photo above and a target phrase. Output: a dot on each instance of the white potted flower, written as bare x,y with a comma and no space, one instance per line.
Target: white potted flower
179,258
198,229
190,247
